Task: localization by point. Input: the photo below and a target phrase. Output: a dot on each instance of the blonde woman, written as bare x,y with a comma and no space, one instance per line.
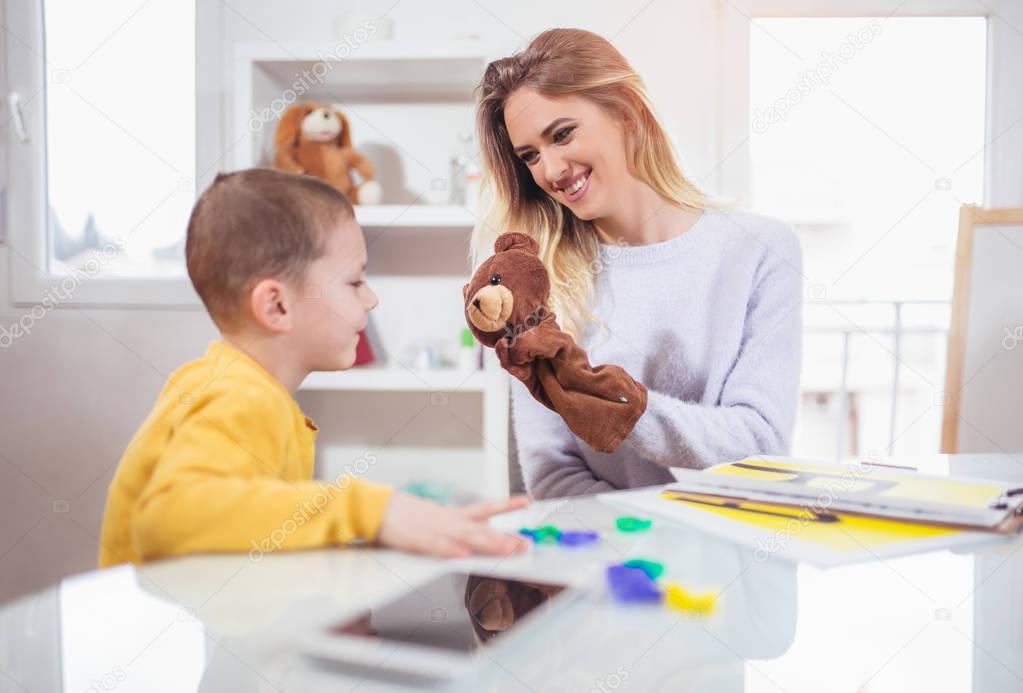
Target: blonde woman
699,302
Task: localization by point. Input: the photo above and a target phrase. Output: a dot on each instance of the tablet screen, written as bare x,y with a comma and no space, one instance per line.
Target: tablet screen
458,612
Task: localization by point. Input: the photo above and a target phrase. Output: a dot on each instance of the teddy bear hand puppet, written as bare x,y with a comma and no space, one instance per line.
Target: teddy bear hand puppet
506,308
315,139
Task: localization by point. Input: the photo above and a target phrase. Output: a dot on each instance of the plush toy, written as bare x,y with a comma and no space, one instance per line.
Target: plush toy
506,308
316,140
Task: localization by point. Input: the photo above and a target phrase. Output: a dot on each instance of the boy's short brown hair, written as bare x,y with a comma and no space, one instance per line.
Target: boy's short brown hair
254,224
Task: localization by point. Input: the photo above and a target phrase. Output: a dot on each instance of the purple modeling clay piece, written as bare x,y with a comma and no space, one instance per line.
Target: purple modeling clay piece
578,538
632,585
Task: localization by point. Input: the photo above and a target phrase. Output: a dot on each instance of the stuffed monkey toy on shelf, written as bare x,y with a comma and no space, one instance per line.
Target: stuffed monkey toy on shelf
315,139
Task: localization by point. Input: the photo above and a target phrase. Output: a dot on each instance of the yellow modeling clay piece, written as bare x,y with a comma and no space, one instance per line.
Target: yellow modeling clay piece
679,598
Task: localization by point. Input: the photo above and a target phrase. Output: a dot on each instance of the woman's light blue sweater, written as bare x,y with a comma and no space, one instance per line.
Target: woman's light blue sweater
710,321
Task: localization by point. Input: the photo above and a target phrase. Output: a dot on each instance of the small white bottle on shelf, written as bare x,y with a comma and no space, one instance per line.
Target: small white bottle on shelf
468,356
473,185
466,175
456,184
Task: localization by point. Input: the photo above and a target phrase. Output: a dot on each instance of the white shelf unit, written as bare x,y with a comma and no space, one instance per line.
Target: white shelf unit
406,103
415,216
398,379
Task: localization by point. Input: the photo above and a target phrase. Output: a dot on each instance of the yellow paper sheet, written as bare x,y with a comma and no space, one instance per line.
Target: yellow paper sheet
832,530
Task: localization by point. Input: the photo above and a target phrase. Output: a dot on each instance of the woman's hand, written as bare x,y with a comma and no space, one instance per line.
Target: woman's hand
419,526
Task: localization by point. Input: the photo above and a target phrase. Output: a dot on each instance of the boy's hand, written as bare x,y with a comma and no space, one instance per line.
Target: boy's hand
419,526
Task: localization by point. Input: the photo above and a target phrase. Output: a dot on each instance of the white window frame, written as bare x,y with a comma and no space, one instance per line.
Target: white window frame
25,221
1003,155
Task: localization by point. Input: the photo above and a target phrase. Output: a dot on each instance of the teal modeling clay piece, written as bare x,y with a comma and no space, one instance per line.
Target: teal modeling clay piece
633,524
653,569
436,492
547,534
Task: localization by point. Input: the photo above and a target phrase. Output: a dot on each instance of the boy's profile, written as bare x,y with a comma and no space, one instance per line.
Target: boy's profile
224,461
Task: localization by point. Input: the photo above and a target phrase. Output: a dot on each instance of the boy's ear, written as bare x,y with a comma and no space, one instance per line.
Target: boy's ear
270,305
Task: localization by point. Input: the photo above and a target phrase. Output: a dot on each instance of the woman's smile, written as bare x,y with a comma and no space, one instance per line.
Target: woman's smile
575,187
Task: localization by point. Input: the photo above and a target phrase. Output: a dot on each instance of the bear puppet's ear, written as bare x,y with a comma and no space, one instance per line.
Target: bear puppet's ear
514,240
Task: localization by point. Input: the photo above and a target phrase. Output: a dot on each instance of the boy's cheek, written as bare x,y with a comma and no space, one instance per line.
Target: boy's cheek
340,331
320,316
343,359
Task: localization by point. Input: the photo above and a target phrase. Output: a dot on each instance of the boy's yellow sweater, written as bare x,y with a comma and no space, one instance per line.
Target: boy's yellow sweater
224,463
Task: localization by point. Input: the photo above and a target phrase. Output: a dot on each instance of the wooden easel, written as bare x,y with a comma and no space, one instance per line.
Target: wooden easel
990,287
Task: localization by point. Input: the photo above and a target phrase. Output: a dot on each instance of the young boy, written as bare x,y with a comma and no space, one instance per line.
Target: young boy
224,461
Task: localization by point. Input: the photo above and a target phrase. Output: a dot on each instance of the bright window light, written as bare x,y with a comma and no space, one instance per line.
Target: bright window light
120,116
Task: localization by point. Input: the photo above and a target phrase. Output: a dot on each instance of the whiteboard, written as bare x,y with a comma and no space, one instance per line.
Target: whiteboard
984,381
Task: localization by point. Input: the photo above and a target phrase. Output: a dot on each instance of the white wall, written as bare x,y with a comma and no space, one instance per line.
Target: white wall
77,387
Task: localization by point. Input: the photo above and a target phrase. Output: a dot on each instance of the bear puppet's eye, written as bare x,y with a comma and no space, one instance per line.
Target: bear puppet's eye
495,279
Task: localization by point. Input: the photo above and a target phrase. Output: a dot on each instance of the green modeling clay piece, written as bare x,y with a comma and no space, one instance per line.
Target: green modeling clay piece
548,534
633,524
653,569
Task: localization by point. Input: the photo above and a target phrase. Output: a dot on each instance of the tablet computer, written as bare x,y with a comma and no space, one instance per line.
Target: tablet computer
438,630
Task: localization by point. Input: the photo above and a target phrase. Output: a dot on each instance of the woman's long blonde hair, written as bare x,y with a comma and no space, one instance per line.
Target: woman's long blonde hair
560,62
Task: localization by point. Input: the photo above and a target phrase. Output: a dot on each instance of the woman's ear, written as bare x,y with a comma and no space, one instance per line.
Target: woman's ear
344,138
270,305
289,128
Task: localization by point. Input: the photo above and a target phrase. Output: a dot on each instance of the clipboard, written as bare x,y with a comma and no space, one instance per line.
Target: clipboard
803,486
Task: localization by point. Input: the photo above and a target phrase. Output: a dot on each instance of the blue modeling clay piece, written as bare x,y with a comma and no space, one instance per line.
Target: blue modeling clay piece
578,538
632,585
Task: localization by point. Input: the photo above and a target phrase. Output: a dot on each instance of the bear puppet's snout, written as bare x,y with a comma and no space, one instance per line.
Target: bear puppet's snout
505,288
490,308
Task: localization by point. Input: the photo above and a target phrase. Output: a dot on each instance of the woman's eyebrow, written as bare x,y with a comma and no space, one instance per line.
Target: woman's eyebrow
546,131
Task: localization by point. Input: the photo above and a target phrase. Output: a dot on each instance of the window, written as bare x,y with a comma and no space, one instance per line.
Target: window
120,134
869,146
106,150
868,134
866,125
